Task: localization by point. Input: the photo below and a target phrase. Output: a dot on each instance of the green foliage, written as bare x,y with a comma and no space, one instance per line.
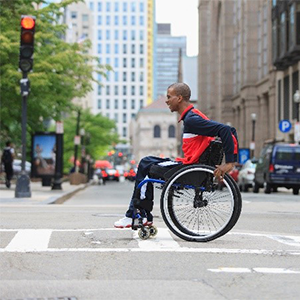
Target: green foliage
61,71
100,133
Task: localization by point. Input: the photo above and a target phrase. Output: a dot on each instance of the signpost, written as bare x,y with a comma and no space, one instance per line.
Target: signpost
285,126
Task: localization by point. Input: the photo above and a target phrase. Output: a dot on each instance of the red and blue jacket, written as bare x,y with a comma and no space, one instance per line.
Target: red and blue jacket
199,131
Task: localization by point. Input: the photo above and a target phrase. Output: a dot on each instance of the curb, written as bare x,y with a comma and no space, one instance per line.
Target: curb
64,197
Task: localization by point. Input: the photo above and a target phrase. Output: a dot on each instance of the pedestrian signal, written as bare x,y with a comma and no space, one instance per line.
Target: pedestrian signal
27,43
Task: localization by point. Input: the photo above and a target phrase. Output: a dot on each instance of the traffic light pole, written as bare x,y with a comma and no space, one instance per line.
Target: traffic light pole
23,180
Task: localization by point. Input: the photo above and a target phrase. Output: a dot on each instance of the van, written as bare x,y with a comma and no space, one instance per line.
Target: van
278,166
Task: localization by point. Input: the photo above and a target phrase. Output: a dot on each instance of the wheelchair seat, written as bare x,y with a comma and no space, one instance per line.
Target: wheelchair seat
212,155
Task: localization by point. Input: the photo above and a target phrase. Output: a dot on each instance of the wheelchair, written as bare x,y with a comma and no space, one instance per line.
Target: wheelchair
191,204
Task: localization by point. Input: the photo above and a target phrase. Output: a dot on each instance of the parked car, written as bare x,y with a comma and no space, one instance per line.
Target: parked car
246,175
17,167
113,174
278,166
130,175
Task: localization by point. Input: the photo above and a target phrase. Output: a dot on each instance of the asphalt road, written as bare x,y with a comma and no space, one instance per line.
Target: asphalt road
72,250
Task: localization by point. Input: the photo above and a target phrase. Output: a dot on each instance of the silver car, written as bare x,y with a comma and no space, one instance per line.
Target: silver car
246,175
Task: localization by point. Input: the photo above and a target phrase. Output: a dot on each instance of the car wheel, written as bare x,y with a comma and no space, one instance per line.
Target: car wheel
295,191
268,188
256,188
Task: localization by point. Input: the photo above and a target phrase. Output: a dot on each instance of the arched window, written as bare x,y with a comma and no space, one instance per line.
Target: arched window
171,131
157,131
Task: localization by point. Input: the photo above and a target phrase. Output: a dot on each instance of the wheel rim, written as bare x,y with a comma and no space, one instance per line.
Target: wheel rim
200,222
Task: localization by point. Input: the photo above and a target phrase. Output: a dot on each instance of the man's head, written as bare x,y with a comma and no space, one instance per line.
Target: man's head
8,144
178,96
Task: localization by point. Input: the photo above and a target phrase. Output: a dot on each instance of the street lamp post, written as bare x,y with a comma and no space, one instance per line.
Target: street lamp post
252,144
82,134
297,125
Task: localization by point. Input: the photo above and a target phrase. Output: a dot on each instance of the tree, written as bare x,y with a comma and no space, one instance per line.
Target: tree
61,71
101,131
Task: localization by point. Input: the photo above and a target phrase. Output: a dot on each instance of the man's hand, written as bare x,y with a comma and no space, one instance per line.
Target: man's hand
220,171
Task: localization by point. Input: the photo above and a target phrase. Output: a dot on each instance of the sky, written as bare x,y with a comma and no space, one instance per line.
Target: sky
183,16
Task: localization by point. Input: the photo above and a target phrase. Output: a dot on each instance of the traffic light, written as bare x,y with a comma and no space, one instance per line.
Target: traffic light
27,43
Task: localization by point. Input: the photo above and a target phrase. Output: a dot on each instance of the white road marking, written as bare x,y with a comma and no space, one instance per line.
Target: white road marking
255,270
163,240
30,240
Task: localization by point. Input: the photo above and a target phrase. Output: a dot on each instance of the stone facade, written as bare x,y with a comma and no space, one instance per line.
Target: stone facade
235,71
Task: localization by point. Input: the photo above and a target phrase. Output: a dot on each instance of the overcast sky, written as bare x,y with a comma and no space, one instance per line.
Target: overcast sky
183,16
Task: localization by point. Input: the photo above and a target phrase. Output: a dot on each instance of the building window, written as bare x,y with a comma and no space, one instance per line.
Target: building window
124,131
116,7
124,76
141,63
99,35
133,63
107,104
142,77
132,116
73,14
132,49
124,7
116,48
116,62
99,103
116,104
124,20
133,6
116,90
107,90
133,20
124,35
283,33
141,103
156,131
91,6
107,34
124,104
99,48
116,76
107,48
141,20
141,7
124,90
141,90
132,104
132,76
124,49
132,90
132,35
116,35
124,63
116,118
286,98
124,118
85,18
141,35
116,20
99,6
141,49
107,20
295,87
171,131
108,6
99,20
99,89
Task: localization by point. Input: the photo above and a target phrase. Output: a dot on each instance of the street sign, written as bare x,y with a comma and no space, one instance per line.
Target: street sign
244,155
77,139
297,132
285,126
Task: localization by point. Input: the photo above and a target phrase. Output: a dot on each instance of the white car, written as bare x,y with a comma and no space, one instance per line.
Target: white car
246,175
17,167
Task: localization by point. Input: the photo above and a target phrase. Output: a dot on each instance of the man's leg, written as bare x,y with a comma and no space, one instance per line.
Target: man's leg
142,173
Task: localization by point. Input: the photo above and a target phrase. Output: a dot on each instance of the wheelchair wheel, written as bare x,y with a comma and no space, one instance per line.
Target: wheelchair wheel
194,209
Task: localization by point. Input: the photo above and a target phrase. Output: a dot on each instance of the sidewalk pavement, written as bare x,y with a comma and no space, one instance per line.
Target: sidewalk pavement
40,194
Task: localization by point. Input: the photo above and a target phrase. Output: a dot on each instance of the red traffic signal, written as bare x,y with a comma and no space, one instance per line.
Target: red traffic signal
27,43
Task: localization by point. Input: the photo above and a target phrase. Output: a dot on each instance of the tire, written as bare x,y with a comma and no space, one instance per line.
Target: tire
268,188
256,187
203,213
295,191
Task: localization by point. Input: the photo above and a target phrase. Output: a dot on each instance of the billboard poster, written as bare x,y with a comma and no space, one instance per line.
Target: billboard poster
43,154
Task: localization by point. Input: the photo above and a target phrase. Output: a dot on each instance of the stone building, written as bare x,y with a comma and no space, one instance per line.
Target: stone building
236,75
153,132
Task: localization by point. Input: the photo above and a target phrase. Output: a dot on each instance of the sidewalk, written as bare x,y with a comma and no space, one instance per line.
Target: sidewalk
40,194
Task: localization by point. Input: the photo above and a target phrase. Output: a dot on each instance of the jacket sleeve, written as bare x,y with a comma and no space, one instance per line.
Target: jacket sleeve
197,125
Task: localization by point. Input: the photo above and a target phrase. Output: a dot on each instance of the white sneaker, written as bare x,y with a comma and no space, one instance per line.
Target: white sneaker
126,222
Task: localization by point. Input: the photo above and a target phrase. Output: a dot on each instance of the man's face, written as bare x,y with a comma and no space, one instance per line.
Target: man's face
173,100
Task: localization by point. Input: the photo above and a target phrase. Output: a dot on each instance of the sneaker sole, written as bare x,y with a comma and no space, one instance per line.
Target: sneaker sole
129,226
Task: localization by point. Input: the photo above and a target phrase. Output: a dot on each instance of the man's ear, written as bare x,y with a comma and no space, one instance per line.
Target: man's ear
180,98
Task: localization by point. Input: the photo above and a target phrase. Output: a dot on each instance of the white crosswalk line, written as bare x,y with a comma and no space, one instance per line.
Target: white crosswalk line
30,239
255,270
163,240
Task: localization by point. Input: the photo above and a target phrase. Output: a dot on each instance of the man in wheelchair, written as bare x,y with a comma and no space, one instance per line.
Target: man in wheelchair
199,134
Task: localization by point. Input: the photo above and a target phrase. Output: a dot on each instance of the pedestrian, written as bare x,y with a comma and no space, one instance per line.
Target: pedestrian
7,160
198,132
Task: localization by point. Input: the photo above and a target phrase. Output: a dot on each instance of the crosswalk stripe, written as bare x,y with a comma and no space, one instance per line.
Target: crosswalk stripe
30,239
255,270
